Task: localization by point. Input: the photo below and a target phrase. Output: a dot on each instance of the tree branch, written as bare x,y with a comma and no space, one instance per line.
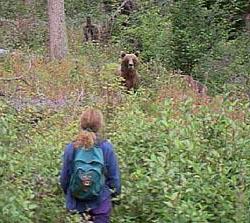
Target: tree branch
16,78
11,78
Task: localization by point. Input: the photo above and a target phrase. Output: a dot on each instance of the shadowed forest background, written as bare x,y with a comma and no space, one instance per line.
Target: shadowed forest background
184,156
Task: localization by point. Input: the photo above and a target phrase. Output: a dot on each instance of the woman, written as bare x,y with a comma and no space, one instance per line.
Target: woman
99,209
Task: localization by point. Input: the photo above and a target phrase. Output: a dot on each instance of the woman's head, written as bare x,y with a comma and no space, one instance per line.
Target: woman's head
91,122
91,119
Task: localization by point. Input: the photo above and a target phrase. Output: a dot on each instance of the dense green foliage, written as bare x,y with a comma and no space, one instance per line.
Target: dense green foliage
178,164
183,158
226,68
194,168
184,33
185,169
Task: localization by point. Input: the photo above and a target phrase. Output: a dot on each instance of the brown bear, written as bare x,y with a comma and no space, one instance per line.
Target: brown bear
199,88
91,31
127,7
128,70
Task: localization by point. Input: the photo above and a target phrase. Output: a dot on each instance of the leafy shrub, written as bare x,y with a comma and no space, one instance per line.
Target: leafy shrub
146,31
195,31
24,33
9,143
180,34
181,168
27,168
230,12
226,68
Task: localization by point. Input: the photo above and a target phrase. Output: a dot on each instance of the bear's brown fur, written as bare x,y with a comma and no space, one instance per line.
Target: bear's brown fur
91,31
199,88
128,70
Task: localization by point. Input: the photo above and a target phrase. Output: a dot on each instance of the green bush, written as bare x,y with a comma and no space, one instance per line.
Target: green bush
194,32
146,31
9,144
226,68
181,169
29,171
176,165
180,34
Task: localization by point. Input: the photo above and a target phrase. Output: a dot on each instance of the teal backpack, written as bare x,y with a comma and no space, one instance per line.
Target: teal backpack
87,179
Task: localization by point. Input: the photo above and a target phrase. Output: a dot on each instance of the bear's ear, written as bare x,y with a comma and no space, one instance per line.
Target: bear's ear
123,54
137,53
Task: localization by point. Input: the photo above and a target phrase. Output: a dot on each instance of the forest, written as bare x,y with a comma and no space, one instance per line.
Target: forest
180,128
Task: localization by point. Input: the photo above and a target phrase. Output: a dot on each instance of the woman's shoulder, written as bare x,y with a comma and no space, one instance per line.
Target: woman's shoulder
69,146
69,149
106,144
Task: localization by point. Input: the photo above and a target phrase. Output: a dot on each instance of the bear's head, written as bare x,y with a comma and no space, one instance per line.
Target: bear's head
129,61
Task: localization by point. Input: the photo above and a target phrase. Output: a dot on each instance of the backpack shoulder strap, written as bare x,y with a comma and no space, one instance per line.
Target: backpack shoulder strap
100,145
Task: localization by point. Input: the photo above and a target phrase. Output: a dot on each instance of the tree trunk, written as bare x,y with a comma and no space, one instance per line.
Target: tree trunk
247,22
58,43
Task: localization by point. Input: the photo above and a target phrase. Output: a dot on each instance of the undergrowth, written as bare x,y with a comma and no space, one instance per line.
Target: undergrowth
183,158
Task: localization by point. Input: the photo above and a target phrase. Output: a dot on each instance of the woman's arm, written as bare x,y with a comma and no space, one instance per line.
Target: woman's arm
66,167
113,172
